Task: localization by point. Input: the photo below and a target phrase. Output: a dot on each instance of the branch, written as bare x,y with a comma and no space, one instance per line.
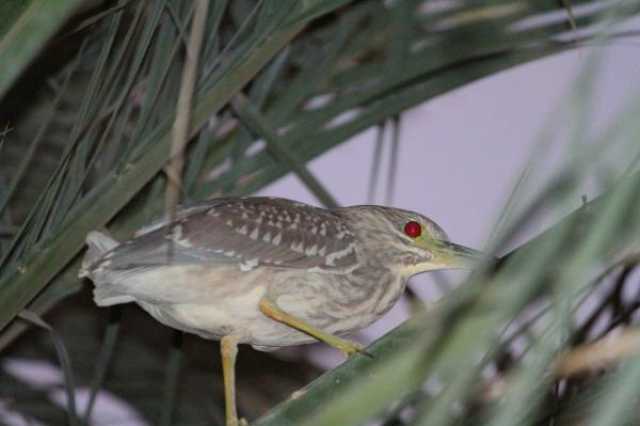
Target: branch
597,355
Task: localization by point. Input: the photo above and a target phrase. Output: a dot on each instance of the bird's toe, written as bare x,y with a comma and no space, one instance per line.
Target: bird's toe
350,348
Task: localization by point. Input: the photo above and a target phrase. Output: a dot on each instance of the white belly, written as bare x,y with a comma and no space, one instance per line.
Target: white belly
229,316
239,316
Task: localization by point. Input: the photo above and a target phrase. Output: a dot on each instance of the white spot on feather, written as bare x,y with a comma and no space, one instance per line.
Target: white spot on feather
254,234
249,264
297,247
267,237
332,257
184,242
175,233
311,251
276,240
177,236
242,230
340,235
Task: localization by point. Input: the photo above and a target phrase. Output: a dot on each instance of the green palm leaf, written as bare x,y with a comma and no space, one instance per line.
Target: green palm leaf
305,76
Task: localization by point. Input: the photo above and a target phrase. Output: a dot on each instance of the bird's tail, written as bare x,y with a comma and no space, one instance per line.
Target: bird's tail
104,292
98,244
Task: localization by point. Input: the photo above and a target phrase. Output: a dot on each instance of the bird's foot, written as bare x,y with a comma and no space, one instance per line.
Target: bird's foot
350,348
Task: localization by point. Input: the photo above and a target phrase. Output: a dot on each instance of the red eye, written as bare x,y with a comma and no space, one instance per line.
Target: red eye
413,229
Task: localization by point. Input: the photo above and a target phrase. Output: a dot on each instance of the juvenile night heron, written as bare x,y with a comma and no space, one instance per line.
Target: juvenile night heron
269,272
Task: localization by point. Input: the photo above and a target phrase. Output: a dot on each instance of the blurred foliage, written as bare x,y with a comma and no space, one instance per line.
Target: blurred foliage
88,101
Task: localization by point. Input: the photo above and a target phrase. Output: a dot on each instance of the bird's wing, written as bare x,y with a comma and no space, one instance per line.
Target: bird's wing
248,232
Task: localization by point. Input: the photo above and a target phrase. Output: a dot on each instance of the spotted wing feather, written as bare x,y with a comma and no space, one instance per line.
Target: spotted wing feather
248,232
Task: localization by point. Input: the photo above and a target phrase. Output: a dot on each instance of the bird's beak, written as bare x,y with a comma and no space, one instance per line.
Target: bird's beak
448,255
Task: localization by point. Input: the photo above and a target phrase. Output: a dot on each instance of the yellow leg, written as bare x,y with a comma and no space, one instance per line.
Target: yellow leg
347,347
229,350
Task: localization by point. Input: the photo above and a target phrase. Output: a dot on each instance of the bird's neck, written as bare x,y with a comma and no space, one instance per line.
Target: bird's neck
403,265
384,286
407,271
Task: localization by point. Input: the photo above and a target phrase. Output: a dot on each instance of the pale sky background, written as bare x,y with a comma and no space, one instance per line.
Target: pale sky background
459,157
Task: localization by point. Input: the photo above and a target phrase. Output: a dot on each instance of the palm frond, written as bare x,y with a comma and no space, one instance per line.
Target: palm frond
305,77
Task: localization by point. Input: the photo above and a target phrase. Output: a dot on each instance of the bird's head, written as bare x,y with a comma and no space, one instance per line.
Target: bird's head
407,241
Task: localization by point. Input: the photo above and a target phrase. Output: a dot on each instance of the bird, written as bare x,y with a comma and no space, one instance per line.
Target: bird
269,272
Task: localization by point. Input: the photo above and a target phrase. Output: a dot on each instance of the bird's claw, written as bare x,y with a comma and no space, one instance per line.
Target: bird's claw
352,348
